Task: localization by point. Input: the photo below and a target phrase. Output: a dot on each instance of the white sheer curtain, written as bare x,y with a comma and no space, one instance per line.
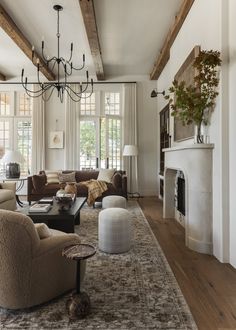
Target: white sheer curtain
130,132
72,109
38,135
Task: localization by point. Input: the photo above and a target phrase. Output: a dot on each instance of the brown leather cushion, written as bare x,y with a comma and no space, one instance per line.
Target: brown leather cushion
39,181
85,175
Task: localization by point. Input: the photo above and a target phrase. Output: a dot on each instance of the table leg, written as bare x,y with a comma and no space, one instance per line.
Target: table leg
78,305
19,202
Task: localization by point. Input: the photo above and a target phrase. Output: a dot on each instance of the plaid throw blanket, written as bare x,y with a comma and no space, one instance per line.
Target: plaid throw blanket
95,190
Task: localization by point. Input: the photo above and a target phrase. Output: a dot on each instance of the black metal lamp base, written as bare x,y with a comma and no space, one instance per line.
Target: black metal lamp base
12,171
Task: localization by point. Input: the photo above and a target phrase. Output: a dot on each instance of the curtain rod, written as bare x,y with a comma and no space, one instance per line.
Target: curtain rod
71,82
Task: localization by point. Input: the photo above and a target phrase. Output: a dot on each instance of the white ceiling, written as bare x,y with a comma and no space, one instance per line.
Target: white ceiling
131,33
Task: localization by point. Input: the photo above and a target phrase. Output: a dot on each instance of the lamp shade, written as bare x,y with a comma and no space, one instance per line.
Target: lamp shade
12,156
130,150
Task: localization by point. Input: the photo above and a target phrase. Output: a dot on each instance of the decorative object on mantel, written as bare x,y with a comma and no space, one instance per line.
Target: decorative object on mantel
64,67
194,103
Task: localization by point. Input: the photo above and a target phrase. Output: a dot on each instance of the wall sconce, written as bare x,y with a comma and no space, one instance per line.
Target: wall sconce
154,93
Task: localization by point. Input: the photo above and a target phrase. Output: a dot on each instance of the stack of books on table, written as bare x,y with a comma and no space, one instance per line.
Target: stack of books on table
40,208
46,200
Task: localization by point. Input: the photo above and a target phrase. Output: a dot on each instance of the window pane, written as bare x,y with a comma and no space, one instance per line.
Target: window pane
25,105
87,144
87,107
4,104
24,141
114,143
112,104
4,139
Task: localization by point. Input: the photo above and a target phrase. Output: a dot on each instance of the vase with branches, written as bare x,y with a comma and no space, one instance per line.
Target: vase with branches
194,103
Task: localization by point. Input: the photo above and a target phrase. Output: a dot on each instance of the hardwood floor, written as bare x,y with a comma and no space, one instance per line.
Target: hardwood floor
209,286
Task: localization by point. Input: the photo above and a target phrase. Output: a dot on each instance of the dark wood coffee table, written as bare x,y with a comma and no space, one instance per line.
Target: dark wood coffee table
60,220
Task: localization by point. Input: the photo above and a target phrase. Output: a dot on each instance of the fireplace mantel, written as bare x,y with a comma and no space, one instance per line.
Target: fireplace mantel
195,161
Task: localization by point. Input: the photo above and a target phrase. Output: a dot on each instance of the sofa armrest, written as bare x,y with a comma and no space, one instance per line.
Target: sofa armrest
124,186
9,186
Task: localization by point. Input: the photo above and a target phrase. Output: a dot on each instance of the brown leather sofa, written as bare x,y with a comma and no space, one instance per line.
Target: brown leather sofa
118,185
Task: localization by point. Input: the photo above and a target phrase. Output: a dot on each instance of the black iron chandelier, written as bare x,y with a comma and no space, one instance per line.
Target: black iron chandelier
63,66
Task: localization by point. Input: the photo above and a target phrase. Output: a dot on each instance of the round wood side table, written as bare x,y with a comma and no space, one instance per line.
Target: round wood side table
78,305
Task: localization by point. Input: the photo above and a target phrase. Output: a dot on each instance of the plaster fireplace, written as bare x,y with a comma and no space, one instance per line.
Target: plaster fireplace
195,161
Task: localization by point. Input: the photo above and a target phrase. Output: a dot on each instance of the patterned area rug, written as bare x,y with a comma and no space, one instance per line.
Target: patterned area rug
134,290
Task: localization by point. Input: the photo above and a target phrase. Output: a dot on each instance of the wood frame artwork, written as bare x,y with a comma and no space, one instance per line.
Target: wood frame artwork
56,140
186,73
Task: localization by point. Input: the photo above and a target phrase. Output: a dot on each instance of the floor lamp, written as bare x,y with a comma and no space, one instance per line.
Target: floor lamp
130,151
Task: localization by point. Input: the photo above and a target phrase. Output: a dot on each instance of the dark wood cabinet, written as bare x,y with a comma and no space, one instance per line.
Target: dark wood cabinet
164,141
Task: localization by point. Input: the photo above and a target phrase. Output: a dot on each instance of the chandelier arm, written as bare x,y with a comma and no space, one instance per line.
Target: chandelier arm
67,87
87,96
43,56
25,86
71,97
48,97
79,94
82,66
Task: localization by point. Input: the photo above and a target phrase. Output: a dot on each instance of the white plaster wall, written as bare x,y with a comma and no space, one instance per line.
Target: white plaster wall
54,121
232,128
205,26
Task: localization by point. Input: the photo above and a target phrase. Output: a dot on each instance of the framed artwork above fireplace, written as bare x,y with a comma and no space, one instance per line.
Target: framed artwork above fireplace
186,73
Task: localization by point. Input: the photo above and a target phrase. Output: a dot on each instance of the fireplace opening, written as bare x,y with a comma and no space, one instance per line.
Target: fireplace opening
181,195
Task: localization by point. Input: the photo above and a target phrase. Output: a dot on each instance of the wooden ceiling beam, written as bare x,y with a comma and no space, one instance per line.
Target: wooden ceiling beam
164,55
88,13
9,26
2,76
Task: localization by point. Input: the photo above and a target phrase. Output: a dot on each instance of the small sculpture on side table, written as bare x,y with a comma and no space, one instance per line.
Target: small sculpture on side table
78,305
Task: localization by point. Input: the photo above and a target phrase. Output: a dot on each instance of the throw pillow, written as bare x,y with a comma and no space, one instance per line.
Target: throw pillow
39,181
106,175
52,176
66,177
42,230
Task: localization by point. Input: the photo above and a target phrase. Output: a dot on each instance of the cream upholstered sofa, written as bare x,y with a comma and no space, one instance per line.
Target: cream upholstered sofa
8,196
32,270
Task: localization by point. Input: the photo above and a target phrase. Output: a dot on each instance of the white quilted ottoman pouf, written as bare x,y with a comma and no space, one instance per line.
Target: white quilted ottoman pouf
114,230
113,201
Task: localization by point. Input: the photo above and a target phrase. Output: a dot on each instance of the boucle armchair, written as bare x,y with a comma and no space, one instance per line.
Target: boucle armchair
32,271
8,196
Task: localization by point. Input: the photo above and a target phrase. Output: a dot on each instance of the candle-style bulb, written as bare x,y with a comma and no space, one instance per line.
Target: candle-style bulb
81,88
92,82
83,58
22,73
71,46
25,80
42,44
87,74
